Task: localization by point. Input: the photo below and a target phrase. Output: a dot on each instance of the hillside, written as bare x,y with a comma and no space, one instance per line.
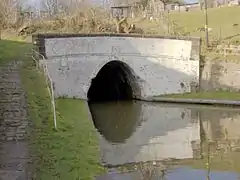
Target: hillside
224,23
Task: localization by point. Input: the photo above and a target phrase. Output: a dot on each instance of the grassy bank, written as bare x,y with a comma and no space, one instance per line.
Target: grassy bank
71,152
13,50
223,95
224,22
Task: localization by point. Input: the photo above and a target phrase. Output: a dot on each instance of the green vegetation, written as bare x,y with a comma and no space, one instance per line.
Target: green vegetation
72,152
223,95
224,22
13,50
224,28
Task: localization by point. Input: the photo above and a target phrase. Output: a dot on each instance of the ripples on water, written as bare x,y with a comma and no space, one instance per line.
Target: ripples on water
153,141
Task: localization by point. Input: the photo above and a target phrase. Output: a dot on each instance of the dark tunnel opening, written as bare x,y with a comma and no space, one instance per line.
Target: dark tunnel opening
115,81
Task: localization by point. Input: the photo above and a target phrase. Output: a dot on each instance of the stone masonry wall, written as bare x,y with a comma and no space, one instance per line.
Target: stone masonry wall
13,125
161,65
220,75
39,40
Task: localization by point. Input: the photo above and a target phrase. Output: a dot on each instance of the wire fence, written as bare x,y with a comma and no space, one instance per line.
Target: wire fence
37,57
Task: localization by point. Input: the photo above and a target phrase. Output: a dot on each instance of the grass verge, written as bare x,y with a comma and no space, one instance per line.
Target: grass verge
13,50
222,95
71,152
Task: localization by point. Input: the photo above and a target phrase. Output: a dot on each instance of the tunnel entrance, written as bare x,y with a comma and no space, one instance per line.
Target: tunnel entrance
115,81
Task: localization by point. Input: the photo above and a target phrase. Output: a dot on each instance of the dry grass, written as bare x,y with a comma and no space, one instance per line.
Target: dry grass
8,12
224,22
86,21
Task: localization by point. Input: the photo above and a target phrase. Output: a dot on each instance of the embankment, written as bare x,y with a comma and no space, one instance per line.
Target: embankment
72,151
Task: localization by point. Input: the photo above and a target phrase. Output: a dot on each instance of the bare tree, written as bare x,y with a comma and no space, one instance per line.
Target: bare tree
8,12
55,6
51,6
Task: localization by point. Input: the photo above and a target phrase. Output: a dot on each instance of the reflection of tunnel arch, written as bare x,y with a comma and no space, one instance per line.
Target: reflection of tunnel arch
116,122
115,81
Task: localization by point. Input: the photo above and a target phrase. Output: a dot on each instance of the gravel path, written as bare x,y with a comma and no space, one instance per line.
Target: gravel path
14,155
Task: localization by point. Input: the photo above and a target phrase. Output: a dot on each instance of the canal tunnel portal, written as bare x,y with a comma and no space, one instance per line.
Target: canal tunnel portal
115,81
99,66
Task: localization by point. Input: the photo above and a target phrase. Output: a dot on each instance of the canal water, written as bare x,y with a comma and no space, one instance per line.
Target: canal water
149,141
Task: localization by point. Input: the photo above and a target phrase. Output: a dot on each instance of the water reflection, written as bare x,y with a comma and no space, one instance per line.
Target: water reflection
144,132
180,173
185,140
117,121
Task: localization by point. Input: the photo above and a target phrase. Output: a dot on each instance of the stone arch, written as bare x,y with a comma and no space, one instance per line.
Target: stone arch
114,80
